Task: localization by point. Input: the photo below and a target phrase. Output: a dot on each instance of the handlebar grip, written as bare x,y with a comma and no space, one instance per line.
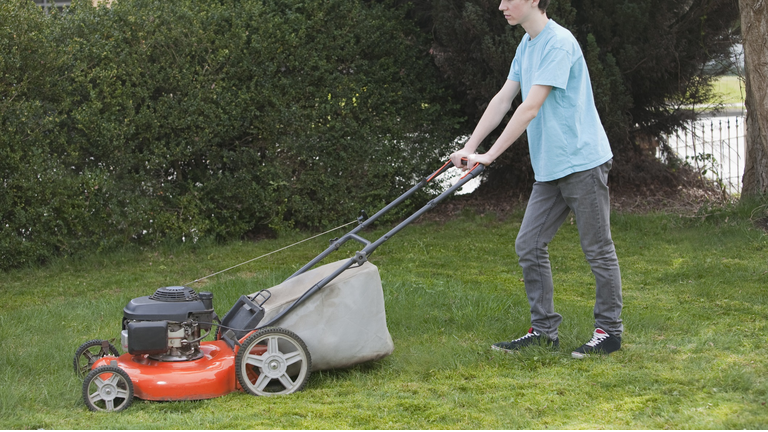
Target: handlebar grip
447,165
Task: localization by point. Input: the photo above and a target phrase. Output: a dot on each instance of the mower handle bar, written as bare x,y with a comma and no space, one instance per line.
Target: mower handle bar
362,256
369,246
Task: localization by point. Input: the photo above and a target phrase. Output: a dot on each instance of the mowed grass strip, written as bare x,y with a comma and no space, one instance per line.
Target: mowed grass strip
694,352
729,89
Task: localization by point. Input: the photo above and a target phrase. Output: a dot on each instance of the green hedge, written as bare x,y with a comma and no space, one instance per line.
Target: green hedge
152,119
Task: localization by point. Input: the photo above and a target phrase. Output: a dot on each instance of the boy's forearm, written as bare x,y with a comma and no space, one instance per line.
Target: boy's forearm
524,114
493,115
520,120
491,119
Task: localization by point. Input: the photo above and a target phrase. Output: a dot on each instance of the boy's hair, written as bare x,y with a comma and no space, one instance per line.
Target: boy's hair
543,5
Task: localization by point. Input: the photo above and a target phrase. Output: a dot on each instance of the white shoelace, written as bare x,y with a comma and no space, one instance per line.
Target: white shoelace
528,335
597,338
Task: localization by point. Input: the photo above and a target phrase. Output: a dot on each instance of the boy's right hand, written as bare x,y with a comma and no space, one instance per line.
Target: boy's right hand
457,156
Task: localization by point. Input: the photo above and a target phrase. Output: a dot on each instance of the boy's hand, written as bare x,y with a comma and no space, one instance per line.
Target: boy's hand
482,159
457,156
472,159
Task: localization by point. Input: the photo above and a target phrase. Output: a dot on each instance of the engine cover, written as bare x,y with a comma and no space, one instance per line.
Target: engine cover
167,325
176,304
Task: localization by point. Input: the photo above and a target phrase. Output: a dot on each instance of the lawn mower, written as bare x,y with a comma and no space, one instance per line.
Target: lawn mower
329,317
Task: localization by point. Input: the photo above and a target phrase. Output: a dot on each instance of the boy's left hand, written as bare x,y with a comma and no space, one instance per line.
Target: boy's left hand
473,159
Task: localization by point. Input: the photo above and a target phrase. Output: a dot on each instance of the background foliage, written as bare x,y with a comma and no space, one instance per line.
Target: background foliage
230,118
650,61
184,119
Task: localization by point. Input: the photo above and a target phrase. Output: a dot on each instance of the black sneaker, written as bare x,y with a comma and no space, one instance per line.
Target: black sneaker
531,338
601,343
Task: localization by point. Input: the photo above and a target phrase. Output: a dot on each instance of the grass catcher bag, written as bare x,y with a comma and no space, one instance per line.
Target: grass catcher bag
342,324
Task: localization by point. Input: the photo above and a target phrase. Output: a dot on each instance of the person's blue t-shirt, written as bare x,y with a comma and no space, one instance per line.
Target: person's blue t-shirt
566,136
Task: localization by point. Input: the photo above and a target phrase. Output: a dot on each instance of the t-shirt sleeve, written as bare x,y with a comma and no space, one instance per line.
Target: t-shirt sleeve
514,70
553,68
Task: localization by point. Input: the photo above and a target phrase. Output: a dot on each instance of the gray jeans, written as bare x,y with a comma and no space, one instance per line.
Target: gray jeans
586,194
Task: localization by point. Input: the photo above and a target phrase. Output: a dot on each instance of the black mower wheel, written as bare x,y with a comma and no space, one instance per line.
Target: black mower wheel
273,361
89,352
107,388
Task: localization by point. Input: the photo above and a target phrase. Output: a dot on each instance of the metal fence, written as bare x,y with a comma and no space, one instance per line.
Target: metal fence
713,146
45,4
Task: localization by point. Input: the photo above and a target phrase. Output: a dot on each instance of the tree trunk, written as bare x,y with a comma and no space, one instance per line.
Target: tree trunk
754,28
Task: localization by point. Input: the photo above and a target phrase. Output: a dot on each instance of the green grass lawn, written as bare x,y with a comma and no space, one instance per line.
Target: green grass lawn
730,89
695,352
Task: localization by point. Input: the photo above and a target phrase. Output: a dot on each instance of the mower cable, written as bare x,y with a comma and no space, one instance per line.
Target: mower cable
227,327
198,339
220,326
270,253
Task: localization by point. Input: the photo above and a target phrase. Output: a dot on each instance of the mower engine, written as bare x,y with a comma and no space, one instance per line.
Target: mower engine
167,325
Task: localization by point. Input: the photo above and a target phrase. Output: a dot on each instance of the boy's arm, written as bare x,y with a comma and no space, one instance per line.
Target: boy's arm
493,115
522,117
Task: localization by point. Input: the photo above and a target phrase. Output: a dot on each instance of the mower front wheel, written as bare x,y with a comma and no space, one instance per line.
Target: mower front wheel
273,361
87,354
107,388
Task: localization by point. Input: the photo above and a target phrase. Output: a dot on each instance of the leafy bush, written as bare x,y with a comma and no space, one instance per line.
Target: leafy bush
34,185
648,60
187,119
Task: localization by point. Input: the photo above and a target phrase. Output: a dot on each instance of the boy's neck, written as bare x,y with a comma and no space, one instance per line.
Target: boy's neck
535,24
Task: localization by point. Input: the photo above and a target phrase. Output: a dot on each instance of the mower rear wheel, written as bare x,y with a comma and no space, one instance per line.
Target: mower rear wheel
273,361
107,388
87,354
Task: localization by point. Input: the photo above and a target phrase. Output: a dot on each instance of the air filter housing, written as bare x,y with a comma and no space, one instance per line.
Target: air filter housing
175,294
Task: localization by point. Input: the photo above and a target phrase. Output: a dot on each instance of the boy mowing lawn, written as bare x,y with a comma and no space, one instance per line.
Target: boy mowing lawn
571,158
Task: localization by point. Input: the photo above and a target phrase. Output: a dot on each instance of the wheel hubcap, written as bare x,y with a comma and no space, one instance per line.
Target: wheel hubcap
108,392
275,367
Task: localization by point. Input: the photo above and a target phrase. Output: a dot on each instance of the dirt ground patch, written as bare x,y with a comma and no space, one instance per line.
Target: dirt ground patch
680,201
